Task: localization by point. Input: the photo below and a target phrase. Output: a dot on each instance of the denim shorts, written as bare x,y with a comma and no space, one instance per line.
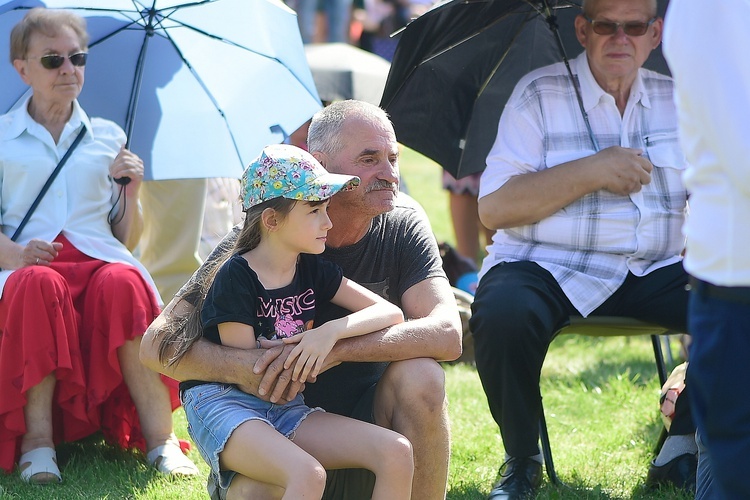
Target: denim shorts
341,484
214,411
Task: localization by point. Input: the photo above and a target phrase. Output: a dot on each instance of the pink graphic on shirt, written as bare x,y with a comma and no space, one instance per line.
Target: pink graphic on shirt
287,326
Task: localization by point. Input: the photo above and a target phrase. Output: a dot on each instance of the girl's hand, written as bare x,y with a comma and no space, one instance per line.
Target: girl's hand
310,352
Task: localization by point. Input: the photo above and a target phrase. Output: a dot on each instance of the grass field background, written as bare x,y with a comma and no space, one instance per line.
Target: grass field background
423,180
600,397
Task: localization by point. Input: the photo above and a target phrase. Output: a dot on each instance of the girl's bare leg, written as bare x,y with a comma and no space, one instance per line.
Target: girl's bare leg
243,487
256,450
339,442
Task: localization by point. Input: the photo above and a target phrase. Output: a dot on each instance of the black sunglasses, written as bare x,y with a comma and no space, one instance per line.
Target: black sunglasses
631,28
54,61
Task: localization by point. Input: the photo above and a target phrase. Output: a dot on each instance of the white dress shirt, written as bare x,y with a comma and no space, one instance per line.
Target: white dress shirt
80,198
705,44
590,245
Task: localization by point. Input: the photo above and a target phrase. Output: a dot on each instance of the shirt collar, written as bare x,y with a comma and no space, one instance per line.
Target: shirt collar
592,93
78,118
21,121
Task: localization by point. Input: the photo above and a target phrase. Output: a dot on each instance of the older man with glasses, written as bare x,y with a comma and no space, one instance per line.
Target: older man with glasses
588,204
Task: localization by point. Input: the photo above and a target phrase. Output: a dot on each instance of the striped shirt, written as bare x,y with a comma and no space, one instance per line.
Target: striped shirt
590,245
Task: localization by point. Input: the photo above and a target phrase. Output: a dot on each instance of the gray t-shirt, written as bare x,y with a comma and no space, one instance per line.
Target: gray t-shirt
397,252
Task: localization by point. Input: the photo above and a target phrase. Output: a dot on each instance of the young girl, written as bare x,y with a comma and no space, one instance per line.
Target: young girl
269,289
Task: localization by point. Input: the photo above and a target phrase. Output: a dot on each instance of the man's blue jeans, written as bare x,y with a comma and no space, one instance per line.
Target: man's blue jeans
719,378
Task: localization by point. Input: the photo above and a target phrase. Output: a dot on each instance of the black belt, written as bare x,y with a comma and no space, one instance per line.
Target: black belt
739,294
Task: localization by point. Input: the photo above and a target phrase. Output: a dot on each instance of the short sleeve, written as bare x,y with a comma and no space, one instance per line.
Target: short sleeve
418,253
329,279
232,296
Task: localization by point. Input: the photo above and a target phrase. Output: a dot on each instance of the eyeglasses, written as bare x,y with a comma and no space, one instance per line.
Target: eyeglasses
54,61
631,28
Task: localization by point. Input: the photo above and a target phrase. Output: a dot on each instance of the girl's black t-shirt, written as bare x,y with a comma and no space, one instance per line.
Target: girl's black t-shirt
237,296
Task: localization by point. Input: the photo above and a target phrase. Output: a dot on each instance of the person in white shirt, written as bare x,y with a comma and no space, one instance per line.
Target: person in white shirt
75,302
588,223
712,91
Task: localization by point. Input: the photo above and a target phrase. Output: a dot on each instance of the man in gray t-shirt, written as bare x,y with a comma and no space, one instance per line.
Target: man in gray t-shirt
397,252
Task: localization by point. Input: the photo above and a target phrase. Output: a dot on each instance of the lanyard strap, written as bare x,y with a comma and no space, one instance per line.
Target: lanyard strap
48,183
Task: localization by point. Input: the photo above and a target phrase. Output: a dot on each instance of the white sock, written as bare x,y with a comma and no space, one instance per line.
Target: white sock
674,446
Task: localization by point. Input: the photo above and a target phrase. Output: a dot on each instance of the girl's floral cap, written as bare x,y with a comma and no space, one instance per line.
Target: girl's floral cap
283,170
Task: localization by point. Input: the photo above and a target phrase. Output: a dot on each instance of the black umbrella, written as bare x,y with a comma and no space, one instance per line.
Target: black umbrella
456,66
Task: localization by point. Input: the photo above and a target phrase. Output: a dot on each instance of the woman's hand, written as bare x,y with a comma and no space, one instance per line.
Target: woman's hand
39,253
127,164
127,223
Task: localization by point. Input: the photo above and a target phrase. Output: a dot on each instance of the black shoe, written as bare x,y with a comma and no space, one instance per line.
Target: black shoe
520,479
678,472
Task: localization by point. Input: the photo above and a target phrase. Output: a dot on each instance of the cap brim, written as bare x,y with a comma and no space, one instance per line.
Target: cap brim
323,187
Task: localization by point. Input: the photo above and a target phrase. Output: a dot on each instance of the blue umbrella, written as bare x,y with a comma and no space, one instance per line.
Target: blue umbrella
199,87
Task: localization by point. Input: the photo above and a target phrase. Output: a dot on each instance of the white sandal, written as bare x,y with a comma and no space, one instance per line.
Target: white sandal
42,468
169,459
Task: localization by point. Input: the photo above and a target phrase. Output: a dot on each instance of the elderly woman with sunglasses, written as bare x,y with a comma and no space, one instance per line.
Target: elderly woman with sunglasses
74,302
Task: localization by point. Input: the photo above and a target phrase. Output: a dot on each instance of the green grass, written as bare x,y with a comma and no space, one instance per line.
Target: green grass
600,395
601,400
423,181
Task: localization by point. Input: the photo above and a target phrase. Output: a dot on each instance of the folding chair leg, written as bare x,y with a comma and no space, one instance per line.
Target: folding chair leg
661,366
546,450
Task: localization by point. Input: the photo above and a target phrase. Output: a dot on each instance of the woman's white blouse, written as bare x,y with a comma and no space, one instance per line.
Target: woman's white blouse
80,198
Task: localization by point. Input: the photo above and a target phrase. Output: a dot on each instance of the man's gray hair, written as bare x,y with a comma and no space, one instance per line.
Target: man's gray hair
324,134
588,5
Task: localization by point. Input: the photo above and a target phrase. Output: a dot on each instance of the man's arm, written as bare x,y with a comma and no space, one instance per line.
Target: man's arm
433,329
208,361
530,197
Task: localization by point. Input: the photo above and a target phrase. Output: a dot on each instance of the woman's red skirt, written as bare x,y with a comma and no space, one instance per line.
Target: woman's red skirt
69,319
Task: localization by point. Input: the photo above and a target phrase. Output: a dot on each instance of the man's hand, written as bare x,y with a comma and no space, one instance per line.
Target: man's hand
276,384
624,170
